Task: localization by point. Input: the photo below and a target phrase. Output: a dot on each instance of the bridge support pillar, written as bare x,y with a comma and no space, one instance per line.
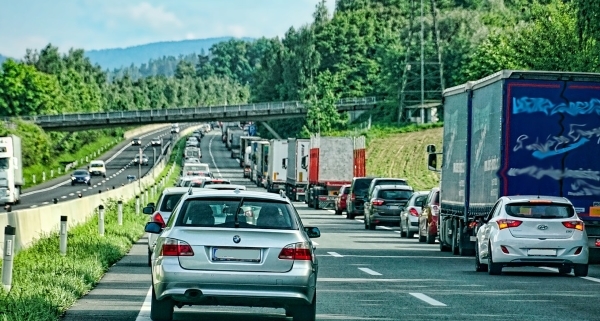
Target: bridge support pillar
271,130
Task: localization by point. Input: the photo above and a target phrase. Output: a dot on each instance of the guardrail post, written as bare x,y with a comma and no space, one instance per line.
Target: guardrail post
120,212
137,204
63,235
51,173
43,176
146,196
7,262
59,171
33,178
101,220
86,159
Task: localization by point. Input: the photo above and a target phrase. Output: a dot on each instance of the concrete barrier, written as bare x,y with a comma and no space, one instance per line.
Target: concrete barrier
32,224
144,129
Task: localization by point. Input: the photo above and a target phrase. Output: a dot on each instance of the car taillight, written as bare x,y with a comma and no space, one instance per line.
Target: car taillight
435,210
502,224
377,202
297,251
174,247
352,197
344,196
159,219
577,225
413,212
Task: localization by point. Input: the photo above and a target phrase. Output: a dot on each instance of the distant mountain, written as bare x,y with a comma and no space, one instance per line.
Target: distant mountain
137,55
2,58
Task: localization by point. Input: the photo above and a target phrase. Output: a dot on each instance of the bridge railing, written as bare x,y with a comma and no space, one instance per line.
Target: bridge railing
147,113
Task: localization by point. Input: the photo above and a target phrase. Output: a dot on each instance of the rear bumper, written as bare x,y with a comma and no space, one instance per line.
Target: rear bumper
267,289
385,219
518,252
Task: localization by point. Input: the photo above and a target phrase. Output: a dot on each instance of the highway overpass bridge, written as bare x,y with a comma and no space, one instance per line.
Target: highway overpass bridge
252,112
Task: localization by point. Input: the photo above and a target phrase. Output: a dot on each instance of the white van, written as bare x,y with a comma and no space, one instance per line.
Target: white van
97,167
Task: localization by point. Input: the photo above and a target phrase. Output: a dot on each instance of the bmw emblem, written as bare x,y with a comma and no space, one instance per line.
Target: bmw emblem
237,239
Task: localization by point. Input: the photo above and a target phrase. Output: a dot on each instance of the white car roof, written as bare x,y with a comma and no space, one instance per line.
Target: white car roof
226,187
526,198
97,162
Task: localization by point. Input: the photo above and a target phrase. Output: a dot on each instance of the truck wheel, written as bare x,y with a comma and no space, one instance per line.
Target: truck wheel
580,269
338,212
454,245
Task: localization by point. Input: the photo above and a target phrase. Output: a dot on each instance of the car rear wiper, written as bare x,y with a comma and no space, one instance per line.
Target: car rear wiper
235,218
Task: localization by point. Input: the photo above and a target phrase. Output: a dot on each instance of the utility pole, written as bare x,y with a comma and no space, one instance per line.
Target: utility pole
421,90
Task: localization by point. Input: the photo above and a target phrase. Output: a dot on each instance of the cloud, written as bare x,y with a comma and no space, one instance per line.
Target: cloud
146,14
190,35
236,31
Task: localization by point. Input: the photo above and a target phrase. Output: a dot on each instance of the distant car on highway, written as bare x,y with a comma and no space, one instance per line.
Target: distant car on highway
409,217
341,199
532,230
144,160
385,206
97,167
156,141
136,141
81,176
209,245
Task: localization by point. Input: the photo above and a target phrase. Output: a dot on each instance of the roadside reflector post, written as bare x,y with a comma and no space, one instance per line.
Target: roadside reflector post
120,212
63,235
7,263
137,204
101,220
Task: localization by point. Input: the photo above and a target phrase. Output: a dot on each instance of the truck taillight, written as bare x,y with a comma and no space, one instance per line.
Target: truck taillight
435,210
502,224
301,251
158,219
413,212
377,202
174,247
576,225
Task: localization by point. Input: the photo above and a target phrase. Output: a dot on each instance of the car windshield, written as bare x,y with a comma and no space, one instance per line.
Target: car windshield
539,211
198,168
79,173
221,212
97,165
169,201
361,185
395,194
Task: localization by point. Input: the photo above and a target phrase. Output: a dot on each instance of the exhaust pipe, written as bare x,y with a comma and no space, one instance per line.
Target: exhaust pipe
193,294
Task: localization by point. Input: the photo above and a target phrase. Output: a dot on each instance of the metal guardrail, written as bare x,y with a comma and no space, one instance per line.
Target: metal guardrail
207,110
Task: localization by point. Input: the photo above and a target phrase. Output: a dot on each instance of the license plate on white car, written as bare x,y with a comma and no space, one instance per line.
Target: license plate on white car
235,254
541,252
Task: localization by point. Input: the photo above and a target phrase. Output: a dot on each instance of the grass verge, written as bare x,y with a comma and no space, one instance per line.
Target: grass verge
45,284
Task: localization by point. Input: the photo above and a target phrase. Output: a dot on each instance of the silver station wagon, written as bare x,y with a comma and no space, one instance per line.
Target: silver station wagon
234,248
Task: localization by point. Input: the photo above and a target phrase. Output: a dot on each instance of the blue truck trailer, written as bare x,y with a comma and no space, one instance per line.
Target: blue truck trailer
518,133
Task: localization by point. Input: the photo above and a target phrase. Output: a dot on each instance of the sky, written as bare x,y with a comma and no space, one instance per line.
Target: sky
103,24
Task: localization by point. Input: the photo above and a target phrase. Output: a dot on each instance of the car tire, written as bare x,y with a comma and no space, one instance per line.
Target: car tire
580,269
409,234
565,269
149,258
478,266
104,175
430,238
422,238
493,268
338,212
307,312
72,184
161,310
402,231
89,184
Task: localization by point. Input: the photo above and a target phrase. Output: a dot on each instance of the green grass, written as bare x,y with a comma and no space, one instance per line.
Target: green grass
46,284
106,142
400,151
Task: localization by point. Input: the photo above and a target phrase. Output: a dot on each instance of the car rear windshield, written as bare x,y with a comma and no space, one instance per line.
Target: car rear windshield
169,201
542,211
97,165
395,194
361,185
80,173
391,181
216,182
251,213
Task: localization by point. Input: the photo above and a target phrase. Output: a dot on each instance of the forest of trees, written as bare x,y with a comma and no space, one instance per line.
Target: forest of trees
356,51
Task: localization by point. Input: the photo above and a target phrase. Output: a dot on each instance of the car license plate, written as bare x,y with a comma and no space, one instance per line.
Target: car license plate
235,254
393,207
541,252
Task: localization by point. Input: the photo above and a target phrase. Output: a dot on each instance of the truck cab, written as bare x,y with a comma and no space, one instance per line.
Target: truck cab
11,170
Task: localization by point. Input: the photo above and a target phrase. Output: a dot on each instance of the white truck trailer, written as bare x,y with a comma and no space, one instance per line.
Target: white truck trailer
11,170
276,165
297,169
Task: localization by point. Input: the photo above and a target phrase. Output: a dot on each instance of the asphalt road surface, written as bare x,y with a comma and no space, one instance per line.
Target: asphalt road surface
118,166
367,275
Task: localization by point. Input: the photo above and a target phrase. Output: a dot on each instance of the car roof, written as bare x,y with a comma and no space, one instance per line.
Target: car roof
404,187
98,161
526,198
226,186
241,193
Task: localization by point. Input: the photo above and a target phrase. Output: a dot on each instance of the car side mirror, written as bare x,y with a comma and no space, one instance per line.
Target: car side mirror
313,232
153,228
148,210
151,204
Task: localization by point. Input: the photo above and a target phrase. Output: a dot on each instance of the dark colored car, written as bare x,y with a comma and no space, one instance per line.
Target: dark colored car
428,220
384,181
358,192
81,177
342,199
143,162
136,142
386,205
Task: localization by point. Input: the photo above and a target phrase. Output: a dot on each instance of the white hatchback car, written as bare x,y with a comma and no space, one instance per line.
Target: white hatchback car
409,217
532,231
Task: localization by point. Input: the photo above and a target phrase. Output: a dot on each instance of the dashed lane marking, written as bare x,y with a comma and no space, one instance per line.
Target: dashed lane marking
369,271
335,254
212,157
428,299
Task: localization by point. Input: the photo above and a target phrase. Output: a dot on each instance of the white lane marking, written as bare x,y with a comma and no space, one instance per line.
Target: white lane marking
315,243
145,309
359,220
428,299
211,155
385,227
45,203
71,194
589,278
68,181
369,271
85,189
63,197
335,254
364,280
33,206
397,232
331,211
